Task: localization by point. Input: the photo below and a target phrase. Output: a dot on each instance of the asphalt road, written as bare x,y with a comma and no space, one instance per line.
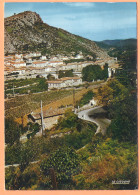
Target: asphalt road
101,122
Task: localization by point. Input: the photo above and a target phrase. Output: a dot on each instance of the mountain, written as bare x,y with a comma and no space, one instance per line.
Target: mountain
27,32
128,44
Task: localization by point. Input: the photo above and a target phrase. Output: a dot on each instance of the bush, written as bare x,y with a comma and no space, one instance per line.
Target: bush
85,99
12,131
65,163
94,72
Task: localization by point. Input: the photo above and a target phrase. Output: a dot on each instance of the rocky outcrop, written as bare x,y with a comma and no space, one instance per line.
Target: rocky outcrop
26,32
29,18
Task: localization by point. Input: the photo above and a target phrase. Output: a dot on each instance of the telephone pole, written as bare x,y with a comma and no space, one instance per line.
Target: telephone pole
74,98
42,124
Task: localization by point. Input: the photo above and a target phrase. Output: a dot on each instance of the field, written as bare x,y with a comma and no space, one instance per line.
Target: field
22,105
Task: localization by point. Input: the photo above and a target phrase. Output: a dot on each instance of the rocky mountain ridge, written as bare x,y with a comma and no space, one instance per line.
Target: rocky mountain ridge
26,32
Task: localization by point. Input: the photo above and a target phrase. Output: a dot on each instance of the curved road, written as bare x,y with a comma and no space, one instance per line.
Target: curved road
102,123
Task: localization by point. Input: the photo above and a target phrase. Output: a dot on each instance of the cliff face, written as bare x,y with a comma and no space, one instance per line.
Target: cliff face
26,32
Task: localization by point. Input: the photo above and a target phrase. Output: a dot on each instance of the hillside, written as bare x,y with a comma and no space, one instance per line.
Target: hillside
128,44
27,32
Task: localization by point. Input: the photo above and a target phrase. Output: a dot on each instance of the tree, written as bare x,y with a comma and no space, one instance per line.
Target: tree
43,52
105,71
111,92
92,72
124,122
43,84
12,131
50,77
69,120
66,73
128,65
85,99
65,163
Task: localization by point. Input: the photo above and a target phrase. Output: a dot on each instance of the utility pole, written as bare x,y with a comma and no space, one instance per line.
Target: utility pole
42,124
74,98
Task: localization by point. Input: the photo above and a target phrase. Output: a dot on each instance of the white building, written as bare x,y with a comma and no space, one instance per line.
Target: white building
111,72
20,72
79,56
58,84
18,64
49,69
19,56
35,54
55,63
39,63
43,58
29,60
93,102
64,82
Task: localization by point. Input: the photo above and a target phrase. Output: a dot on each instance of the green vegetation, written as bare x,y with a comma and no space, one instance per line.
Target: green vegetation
12,131
66,73
106,160
81,160
118,100
50,77
85,99
10,29
20,82
62,35
65,162
33,128
25,86
58,150
115,48
127,74
94,72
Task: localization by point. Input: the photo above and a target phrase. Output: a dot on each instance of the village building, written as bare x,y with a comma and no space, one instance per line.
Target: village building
64,82
89,57
29,61
79,56
58,84
54,58
70,66
61,67
55,63
19,56
93,102
35,54
39,63
49,69
18,64
19,71
43,58
78,74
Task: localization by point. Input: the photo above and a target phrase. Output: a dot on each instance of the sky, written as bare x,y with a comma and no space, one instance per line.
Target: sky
96,21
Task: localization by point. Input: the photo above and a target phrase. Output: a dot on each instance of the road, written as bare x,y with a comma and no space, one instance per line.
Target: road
101,122
16,165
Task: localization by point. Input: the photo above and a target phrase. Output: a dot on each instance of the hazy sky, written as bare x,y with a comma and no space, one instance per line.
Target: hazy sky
95,21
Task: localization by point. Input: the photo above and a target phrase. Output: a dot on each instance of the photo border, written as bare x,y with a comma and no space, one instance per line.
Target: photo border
2,146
